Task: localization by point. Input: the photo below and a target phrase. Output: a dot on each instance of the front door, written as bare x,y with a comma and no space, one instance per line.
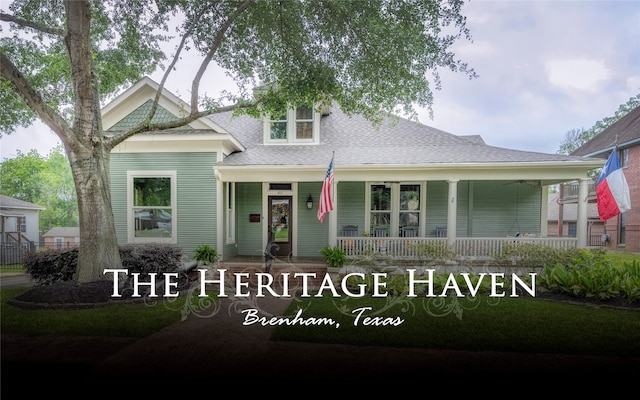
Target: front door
280,224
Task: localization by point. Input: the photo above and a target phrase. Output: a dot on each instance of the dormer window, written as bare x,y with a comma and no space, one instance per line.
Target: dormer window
298,125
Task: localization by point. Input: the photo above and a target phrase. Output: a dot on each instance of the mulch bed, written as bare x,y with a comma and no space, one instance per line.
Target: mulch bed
70,294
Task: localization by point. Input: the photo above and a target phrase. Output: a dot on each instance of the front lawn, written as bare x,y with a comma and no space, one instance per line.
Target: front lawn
477,324
134,320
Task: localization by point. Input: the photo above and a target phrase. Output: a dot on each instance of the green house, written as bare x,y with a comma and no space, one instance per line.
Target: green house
241,183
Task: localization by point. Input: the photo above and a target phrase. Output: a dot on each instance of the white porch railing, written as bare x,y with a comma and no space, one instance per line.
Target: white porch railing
466,247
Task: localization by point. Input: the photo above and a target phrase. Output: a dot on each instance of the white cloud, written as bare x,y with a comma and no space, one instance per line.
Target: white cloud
37,137
581,74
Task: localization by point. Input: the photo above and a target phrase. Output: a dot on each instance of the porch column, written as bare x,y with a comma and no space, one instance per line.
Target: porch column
452,211
333,216
581,223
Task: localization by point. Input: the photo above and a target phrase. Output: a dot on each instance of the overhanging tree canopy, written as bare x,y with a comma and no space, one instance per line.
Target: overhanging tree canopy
64,57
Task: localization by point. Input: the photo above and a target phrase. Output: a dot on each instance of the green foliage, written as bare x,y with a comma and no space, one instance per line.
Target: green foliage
206,254
593,277
334,256
50,266
124,47
577,137
434,252
20,176
46,181
54,265
531,255
371,57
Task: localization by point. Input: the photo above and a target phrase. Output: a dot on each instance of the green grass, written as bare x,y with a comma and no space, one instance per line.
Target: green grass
480,324
618,258
135,319
483,323
17,268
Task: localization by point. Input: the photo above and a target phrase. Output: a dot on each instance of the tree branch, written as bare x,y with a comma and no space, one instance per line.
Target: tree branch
216,43
194,114
34,100
176,57
29,24
112,141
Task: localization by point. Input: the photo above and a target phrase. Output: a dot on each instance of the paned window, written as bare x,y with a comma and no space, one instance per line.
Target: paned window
297,125
395,209
22,224
152,200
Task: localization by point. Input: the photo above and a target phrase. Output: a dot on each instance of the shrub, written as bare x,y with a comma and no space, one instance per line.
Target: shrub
148,258
50,266
206,254
334,256
593,277
434,252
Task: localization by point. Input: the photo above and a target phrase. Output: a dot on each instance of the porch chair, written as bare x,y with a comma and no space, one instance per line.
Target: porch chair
350,230
380,231
409,231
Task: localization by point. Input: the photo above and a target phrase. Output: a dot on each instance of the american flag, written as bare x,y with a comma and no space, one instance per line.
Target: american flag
325,204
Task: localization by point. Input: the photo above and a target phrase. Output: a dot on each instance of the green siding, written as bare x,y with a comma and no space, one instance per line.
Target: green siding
486,208
437,194
504,209
351,204
196,193
249,234
312,235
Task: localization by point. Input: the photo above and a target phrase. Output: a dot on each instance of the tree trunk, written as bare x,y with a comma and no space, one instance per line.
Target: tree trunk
88,154
98,247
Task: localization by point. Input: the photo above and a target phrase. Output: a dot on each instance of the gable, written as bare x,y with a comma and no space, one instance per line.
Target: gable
138,115
139,98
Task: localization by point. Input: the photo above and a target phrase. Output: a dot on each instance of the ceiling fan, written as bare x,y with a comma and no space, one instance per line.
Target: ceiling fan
526,182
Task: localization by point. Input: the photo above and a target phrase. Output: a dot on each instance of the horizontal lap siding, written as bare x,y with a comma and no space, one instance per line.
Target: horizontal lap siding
311,234
249,234
196,197
504,209
437,194
351,203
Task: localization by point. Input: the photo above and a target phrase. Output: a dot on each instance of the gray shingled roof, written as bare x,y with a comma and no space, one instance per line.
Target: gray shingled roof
624,131
10,202
357,142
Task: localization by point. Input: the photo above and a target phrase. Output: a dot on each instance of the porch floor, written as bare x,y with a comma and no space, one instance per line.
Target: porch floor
298,261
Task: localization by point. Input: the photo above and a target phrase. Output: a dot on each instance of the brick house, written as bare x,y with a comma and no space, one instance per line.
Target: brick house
62,237
624,134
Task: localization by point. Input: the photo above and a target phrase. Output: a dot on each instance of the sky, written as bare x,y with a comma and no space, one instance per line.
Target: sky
544,68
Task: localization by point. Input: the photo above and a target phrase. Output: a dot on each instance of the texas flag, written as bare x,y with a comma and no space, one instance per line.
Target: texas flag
612,191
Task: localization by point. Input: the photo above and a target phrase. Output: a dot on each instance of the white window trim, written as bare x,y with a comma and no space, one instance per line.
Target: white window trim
131,238
291,129
394,225
230,220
